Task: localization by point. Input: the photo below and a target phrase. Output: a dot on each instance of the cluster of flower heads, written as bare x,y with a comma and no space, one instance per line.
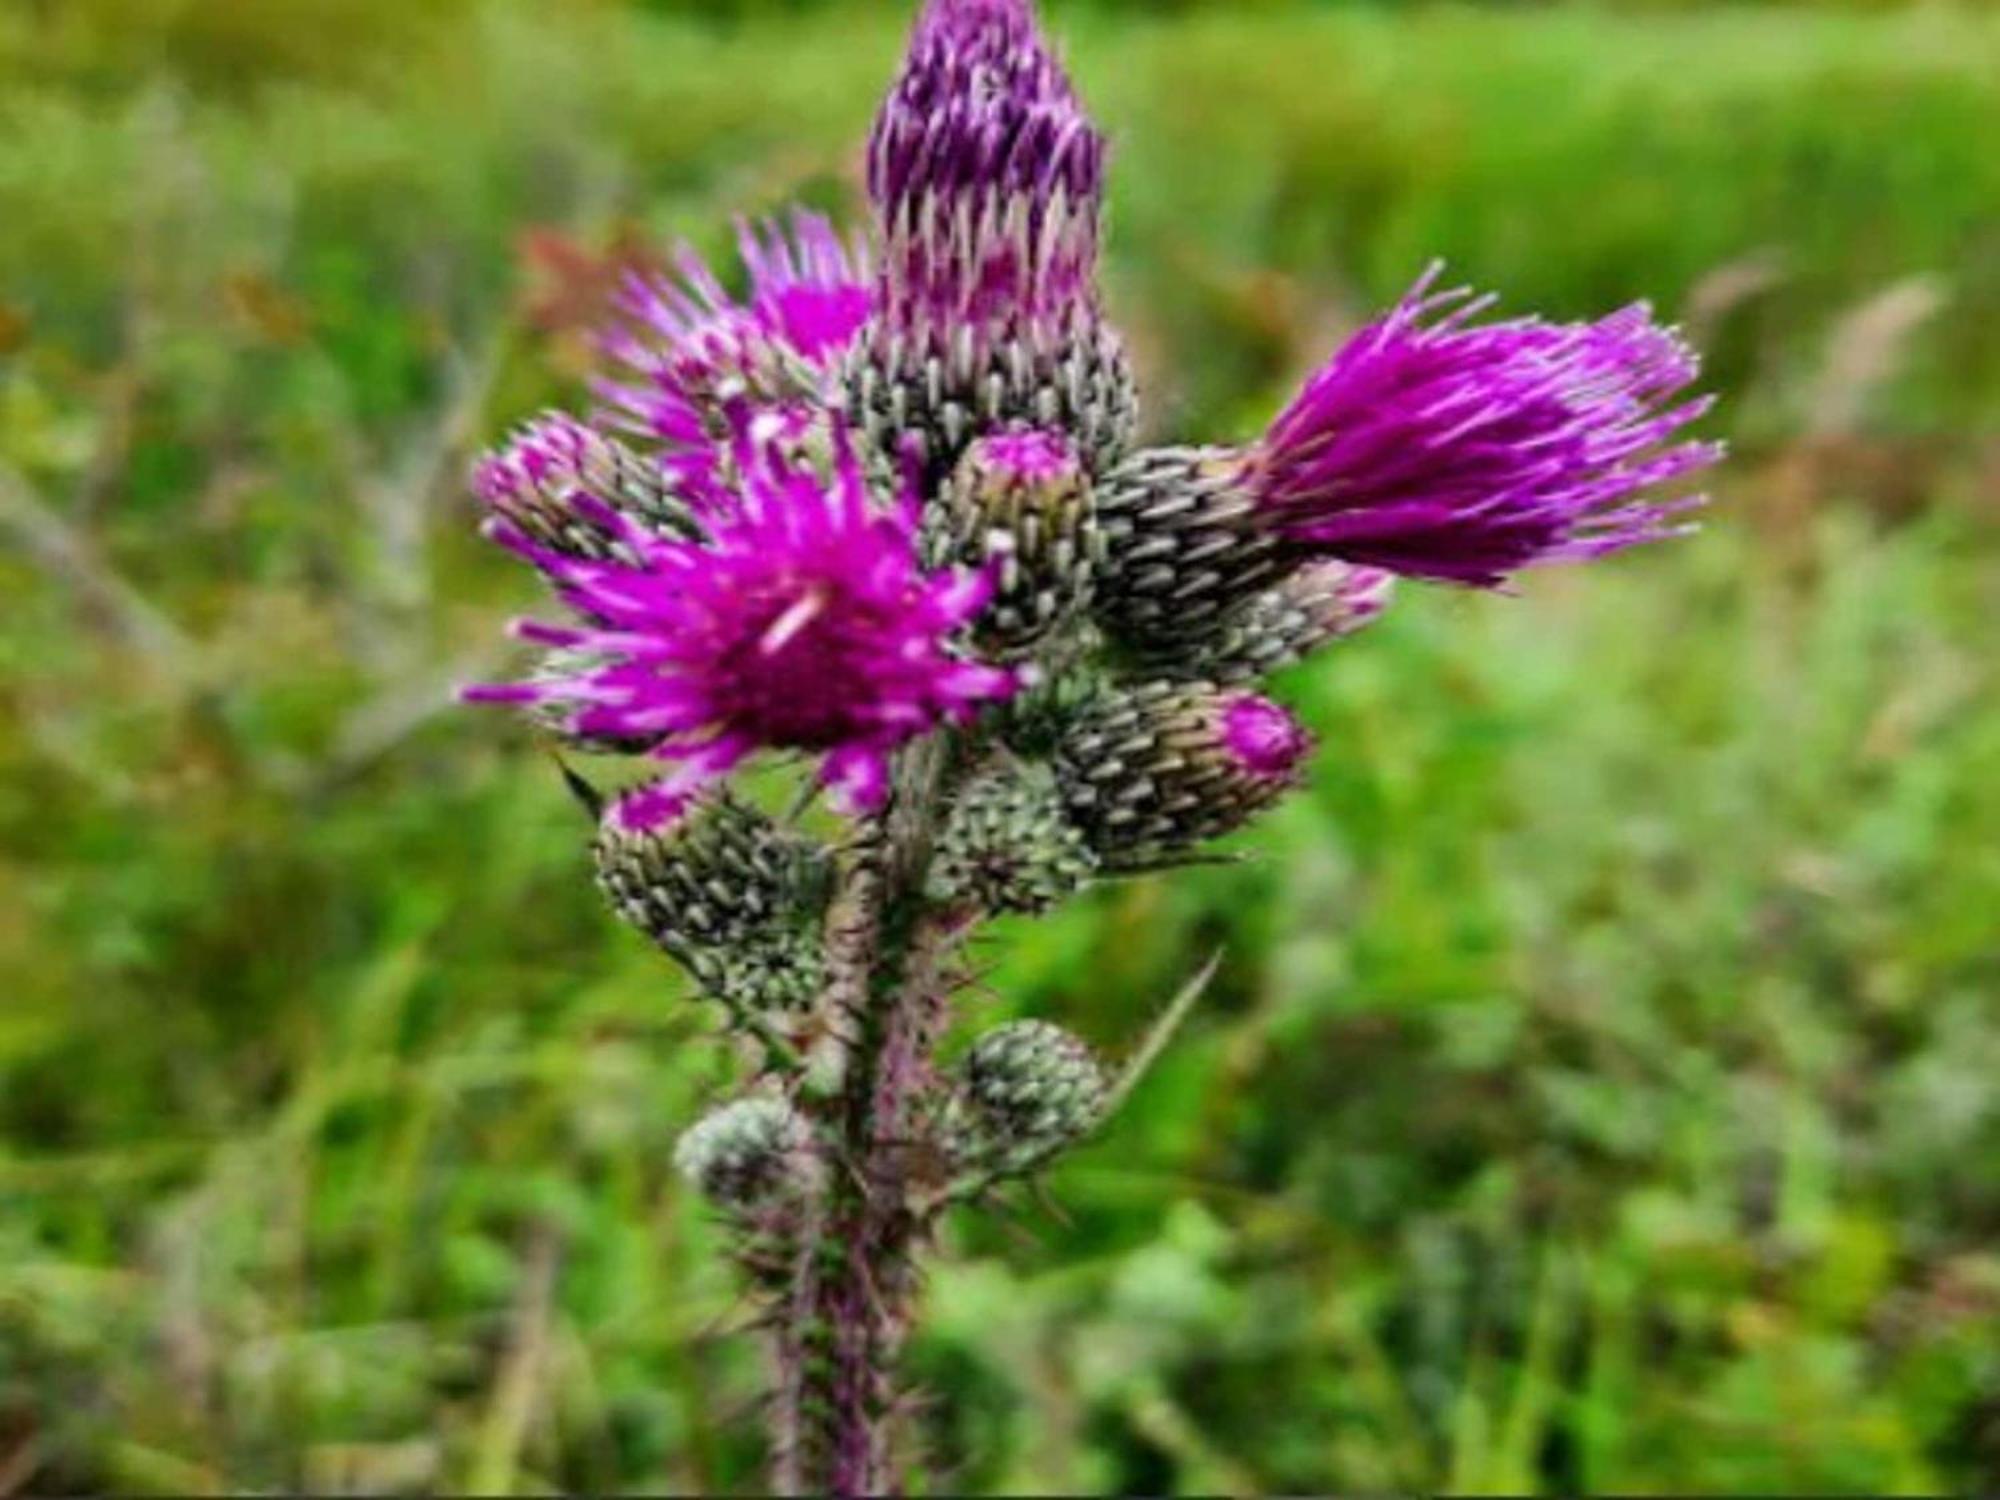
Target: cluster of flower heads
892,489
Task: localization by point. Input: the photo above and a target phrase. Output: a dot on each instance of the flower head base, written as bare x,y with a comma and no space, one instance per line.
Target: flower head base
1009,845
1029,1090
799,620
1319,604
720,888
1439,447
1182,549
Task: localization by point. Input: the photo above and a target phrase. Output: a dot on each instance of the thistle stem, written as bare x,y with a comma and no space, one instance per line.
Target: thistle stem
845,1316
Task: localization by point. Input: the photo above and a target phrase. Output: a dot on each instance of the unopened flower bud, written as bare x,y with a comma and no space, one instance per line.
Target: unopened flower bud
1151,771
746,1154
1317,605
537,480
1009,846
1019,503
721,888
987,180
1027,1091
1182,547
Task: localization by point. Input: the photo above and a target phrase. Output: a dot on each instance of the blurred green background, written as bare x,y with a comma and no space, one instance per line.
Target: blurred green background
1600,1090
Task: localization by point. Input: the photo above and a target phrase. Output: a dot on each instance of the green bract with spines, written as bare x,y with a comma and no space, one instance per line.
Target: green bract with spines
1019,504
1277,628
721,888
900,387
1026,1092
748,1154
1008,845
1182,548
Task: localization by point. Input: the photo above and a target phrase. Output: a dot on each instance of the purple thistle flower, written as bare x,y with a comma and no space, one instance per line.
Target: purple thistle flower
691,348
798,620
742,581
987,178
810,287
1438,447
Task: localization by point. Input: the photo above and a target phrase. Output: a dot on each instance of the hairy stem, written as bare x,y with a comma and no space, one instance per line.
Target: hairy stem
843,1320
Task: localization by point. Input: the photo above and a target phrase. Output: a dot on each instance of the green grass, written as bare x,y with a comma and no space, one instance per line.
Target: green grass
1598,1093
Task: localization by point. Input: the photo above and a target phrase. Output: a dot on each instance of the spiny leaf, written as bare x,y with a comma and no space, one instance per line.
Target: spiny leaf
1161,1033
589,796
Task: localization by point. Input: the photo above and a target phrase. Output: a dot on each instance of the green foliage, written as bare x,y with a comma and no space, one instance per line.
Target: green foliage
1598,1092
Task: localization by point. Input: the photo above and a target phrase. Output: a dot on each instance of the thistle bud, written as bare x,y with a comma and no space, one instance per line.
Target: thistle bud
987,179
1314,607
537,480
1026,1091
1019,502
746,1154
1151,771
719,887
1009,846
1182,547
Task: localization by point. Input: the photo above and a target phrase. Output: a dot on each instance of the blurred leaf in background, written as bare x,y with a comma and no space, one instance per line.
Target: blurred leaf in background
1599,1090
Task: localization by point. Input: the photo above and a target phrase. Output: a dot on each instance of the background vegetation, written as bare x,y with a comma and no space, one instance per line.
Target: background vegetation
1600,1088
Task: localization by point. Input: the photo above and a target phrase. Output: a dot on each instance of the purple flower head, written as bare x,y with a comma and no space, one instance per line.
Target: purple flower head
1264,738
987,178
809,287
799,619
1438,447
689,349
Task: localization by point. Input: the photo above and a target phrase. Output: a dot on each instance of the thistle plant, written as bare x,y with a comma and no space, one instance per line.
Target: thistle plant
882,516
